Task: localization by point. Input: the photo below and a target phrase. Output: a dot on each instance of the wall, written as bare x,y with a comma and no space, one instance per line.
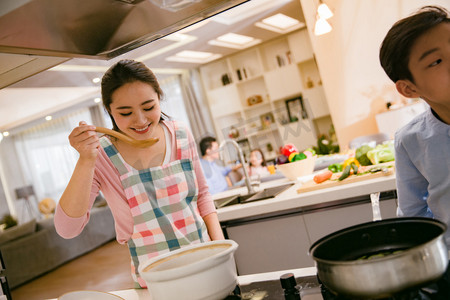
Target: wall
355,85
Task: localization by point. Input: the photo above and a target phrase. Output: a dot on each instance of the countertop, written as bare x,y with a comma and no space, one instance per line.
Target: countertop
290,199
143,294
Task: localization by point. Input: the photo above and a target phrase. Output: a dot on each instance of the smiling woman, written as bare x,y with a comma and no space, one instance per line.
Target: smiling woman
158,195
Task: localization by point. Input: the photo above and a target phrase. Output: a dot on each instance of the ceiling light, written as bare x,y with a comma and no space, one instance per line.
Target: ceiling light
189,56
6,133
97,100
247,10
96,80
235,38
173,5
280,23
48,118
322,27
323,11
235,41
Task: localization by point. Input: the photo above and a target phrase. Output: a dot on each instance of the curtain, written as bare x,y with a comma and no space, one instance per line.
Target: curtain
173,103
196,106
47,160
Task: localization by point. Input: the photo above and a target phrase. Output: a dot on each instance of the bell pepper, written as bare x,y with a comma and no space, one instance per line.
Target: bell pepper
349,161
335,168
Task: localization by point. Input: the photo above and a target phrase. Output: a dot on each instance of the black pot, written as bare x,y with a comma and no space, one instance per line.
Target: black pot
379,259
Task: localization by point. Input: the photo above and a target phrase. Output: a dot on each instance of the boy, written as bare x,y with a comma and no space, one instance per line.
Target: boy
415,54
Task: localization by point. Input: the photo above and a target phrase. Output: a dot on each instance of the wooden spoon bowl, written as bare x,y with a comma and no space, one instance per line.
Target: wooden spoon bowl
127,139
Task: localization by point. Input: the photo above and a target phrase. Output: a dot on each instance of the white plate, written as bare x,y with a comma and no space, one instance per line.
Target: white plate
89,295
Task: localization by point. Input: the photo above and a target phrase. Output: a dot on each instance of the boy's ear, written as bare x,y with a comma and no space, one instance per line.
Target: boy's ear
406,88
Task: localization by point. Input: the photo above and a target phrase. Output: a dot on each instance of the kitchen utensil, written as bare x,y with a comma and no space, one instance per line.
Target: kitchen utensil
298,168
375,200
89,295
127,139
378,259
201,271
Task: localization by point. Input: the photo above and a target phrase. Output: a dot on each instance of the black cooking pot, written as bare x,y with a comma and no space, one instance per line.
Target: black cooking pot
379,259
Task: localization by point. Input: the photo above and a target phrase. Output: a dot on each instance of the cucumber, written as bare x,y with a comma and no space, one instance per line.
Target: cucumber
345,173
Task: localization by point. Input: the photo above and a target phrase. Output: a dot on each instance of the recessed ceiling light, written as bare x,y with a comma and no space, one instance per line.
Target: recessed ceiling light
6,133
48,118
189,56
235,41
280,23
96,80
97,100
247,10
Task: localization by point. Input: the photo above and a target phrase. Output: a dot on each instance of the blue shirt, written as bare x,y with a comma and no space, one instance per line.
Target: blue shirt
215,176
422,161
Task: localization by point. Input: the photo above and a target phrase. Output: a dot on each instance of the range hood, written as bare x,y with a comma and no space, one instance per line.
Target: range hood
48,32
95,28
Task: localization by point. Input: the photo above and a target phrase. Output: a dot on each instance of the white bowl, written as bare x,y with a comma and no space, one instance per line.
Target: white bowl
196,272
298,168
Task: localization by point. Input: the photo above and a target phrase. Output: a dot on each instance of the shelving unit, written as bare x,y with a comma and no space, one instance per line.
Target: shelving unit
276,71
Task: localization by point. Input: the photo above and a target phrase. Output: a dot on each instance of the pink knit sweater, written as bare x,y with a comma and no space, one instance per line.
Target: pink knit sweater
106,179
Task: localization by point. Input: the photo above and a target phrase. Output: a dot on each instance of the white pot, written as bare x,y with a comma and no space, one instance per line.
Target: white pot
195,272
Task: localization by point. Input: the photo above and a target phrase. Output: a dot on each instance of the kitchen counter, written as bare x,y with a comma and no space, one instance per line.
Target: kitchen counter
291,200
277,233
143,294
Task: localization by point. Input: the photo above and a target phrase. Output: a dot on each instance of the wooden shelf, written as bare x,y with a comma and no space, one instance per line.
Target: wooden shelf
270,79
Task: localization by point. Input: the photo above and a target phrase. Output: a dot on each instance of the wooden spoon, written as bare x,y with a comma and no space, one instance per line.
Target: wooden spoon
127,139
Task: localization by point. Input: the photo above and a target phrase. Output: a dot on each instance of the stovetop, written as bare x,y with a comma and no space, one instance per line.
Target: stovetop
310,288
271,289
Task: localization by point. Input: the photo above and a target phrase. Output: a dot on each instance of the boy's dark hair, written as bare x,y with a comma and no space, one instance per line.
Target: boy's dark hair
206,143
396,47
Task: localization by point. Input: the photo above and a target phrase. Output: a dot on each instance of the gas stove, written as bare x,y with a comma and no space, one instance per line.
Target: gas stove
310,288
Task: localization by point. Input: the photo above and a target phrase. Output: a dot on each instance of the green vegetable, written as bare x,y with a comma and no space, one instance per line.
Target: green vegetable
335,168
345,173
299,156
382,153
355,168
361,155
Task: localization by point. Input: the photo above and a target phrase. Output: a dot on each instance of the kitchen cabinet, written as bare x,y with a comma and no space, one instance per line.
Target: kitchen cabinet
322,223
271,245
274,72
277,233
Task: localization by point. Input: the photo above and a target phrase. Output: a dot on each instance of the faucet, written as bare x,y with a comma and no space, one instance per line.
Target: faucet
241,158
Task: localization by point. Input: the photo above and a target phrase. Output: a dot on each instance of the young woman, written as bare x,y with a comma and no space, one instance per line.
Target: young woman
158,195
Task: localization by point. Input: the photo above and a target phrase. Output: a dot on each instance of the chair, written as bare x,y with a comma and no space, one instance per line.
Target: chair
371,139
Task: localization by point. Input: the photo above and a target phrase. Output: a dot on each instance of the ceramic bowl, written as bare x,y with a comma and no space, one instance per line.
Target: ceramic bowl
197,272
299,168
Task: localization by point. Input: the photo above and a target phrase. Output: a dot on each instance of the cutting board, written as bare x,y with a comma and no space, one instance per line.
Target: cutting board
312,186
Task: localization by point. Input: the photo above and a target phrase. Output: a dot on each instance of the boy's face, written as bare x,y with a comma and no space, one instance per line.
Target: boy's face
429,64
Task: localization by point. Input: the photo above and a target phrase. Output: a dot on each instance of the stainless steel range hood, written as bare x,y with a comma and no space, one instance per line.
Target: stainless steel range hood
36,35
94,28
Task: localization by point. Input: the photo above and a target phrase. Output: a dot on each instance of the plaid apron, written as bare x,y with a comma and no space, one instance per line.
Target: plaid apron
163,203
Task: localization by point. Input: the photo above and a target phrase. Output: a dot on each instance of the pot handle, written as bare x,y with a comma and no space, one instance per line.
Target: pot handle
375,199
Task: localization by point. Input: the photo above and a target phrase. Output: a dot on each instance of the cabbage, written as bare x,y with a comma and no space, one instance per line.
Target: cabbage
361,155
382,153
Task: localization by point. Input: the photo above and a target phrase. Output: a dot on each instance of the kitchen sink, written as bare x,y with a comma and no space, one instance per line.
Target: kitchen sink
261,195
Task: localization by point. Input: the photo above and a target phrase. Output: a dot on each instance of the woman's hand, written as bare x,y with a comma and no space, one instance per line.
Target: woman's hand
84,139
